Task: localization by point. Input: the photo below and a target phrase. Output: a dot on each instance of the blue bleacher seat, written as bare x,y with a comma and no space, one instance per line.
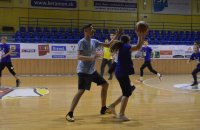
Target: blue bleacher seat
22,29
61,29
38,29
54,30
73,35
45,29
30,29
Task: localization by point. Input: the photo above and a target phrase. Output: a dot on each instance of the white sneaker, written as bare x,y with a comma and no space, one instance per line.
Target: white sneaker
139,80
70,118
122,118
160,77
112,109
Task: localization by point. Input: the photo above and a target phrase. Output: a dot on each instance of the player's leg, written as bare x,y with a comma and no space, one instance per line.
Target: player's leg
84,83
2,66
112,68
194,75
109,66
70,116
127,90
142,71
103,65
11,70
114,104
154,71
100,81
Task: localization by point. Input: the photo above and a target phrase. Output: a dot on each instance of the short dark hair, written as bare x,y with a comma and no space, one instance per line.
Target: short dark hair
86,26
125,38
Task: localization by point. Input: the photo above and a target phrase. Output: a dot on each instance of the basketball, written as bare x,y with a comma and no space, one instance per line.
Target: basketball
142,27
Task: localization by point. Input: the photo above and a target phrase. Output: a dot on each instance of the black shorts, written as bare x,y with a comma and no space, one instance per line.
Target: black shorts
125,85
9,66
85,80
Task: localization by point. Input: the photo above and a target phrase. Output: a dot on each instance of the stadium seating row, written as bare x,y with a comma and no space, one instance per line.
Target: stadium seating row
68,35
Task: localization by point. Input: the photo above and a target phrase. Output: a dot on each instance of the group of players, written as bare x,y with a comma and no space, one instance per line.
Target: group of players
122,66
110,59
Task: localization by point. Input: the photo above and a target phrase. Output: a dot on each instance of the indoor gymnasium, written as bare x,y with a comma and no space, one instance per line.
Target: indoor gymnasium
99,64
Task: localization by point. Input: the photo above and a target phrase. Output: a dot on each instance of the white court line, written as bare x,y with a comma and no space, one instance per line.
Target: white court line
176,91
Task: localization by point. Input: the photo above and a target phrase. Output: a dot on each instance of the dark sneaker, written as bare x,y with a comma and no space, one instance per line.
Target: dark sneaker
194,84
105,110
18,82
70,117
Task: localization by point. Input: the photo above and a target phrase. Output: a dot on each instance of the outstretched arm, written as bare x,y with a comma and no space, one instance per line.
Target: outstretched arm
118,34
87,58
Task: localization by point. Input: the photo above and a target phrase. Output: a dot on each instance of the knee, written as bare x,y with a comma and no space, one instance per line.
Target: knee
128,93
193,73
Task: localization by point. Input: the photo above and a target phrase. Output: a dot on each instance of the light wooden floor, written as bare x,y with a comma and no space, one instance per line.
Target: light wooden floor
158,106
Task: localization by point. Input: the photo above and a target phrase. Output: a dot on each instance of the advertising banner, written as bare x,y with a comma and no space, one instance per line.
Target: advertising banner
60,4
115,5
172,7
29,51
69,51
15,50
72,51
43,51
168,52
58,51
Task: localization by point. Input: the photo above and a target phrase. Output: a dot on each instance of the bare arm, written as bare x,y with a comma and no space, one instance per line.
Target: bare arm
119,32
139,44
10,51
87,58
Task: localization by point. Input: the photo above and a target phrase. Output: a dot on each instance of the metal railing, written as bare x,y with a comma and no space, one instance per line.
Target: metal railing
73,23
103,24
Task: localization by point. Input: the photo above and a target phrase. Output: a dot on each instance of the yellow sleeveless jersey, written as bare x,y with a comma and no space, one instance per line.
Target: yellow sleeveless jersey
106,53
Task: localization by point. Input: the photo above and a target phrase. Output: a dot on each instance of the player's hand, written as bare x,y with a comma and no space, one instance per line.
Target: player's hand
97,55
2,56
106,41
119,31
188,61
141,34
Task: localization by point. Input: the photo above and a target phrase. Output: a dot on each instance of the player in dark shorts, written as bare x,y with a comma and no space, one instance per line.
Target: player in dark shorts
6,60
86,71
196,57
146,51
123,69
